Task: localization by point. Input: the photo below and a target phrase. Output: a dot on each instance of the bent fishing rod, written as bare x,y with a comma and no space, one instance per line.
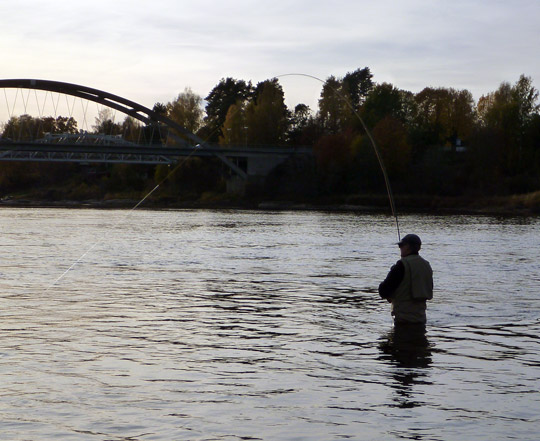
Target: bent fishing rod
173,171
371,139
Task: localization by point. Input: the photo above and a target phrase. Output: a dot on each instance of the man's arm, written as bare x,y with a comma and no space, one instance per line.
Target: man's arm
392,281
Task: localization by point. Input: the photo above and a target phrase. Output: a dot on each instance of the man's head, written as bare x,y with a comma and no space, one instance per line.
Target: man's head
410,244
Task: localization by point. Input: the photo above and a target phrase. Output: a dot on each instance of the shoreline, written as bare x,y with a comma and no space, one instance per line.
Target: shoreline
517,205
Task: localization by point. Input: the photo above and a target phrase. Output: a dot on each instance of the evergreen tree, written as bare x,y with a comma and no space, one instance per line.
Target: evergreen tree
225,94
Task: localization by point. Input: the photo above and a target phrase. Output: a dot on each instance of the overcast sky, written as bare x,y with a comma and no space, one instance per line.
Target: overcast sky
149,51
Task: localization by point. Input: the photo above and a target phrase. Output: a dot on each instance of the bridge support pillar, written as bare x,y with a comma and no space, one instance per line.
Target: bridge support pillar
263,165
239,186
257,169
236,185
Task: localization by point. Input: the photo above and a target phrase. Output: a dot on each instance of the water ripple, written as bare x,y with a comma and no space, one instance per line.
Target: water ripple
225,325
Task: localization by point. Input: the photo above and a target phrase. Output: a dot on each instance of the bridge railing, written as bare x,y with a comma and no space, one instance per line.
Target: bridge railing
103,149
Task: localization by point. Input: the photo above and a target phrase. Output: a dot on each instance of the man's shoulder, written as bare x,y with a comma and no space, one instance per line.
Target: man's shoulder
412,257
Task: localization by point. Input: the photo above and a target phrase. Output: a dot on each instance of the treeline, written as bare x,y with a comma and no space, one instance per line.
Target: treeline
437,142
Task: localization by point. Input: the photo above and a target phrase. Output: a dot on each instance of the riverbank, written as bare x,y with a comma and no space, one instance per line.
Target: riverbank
522,205
517,205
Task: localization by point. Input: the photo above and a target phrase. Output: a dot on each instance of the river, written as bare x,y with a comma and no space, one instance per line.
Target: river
262,325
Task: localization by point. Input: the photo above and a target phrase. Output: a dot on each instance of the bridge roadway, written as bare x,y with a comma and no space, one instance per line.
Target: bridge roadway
244,160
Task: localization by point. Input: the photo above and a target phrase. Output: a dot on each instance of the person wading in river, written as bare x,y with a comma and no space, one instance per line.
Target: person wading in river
409,284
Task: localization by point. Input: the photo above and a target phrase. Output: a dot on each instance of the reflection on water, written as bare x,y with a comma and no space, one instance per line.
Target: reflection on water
407,348
227,325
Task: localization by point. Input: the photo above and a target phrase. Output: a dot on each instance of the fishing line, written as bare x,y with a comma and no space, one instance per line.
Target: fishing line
76,262
123,219
372,140
181,163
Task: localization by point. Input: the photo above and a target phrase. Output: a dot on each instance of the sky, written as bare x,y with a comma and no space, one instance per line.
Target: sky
150,51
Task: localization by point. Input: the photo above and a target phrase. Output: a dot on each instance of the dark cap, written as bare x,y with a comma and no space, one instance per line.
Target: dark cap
411,239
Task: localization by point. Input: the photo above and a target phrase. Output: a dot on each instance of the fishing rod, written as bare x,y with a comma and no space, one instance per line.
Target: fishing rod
371,139
173,171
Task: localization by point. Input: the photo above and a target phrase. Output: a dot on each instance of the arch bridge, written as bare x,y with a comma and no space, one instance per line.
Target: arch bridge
243,161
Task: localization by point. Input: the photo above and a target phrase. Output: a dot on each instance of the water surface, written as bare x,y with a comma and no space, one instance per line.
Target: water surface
241,325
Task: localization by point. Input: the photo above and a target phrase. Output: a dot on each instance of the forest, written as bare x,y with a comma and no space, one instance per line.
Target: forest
435,144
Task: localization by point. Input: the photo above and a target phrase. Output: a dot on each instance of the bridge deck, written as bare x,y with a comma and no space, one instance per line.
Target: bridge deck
133,153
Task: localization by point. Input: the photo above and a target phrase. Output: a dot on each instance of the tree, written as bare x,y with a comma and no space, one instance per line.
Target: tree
526,96
511,112
510,108
227,93
131,129
335,113
22,128
301,120
463,115
234,129
391,138
186,110
267,115
60,124
334,156
341,98
301,116
105,124
160,109
357,85
444,114
29,128
383,101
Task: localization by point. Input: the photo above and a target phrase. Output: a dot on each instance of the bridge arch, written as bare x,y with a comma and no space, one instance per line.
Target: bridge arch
128,107
131,108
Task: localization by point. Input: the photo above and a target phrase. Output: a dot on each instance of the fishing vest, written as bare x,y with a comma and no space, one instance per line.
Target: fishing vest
409,298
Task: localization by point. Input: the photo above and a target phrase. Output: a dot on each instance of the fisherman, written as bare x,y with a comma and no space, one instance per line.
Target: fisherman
409,284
